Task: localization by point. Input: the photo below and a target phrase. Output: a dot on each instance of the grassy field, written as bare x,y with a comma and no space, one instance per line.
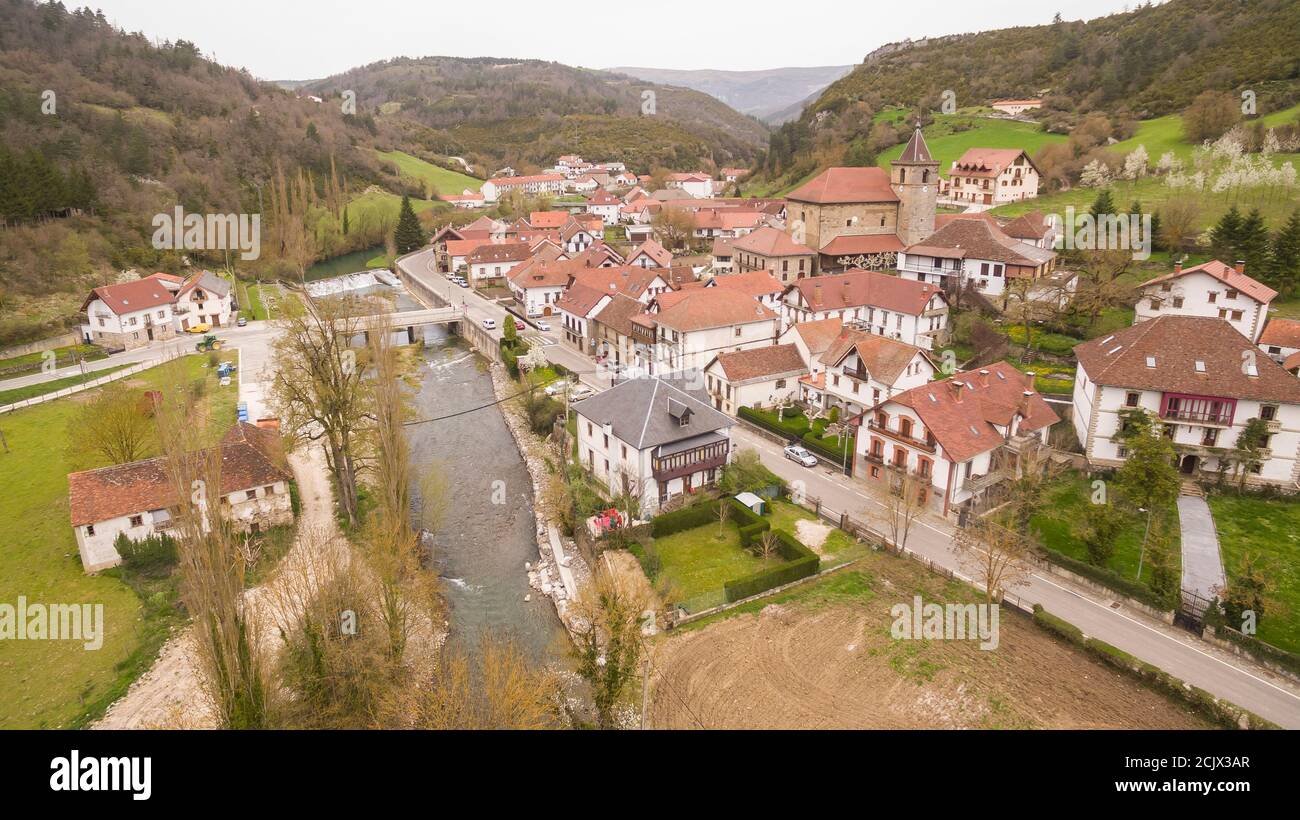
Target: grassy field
31,391
59,683
1268,529
381,208
1164,134
31,362
699,561
435,177
1063,507
786,516
951,135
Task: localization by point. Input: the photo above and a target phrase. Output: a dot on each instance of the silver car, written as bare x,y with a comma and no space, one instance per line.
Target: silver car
800,455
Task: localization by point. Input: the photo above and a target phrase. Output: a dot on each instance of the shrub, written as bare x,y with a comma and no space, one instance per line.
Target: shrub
800,562
687,518
154,555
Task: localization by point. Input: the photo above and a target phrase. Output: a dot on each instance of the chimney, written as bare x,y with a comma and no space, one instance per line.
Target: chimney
984,377
1241,266
956,389
817,294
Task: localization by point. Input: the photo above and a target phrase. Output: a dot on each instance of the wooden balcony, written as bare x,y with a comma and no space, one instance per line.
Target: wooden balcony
670,463
920,444
975,483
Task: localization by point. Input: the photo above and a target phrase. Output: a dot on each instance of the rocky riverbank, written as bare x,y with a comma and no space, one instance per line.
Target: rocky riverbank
547,575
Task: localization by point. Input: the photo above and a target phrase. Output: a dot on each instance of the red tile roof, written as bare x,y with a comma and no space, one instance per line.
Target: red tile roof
1162,354
818,335
861,288
885,359
756,283
769,241
865,244
846,185
703,308
1226,274
552,220
987,162
772,362
250,457
129,297
1281,332
961,410
499,252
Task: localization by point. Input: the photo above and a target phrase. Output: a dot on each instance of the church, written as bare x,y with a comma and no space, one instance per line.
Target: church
863,217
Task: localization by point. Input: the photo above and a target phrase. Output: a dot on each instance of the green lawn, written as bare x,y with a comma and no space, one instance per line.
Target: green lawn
381,208
1063,507
31,362
951,135
31,391
699,561
58,683
785,516
1269,529
442,180
1164,134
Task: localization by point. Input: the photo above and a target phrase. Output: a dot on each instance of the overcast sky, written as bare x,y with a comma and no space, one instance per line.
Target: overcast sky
297,39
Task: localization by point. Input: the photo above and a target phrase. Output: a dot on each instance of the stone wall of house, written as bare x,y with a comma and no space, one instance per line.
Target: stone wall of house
131,340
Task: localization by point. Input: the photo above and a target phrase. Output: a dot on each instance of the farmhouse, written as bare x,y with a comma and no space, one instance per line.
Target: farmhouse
204,298
139,499
655,438
1203,381
992,176
1210,290
129,315
974,253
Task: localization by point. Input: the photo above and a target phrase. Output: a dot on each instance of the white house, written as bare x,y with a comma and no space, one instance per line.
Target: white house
992,176
697,184
977,253
1212,290
654,438
606,206
1203,380
138,499
533,185
204,298
493,261
960,437
1280,339
863,369
891,306
812,339
650,254
757,377
1016,107
539,285
129,314
683,330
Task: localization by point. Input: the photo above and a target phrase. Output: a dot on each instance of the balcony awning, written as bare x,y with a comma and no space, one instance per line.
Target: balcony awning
685,444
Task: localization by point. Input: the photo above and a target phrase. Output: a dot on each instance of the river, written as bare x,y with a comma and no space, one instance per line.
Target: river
340,265
488,530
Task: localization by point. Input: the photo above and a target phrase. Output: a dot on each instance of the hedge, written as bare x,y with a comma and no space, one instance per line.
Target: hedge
1054,343
1110,579
794,424
1262,651
687,518
800,563
1218,711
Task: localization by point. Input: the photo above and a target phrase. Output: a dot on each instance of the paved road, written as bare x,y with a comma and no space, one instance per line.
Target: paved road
1202,564
1170,648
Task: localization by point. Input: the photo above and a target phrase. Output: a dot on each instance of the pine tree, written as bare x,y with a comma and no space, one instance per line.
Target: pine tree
1252,244
1226,235
1103,204
408,236
346,224
1284,255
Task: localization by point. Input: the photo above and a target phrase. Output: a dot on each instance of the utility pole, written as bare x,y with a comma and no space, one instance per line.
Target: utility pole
1143,551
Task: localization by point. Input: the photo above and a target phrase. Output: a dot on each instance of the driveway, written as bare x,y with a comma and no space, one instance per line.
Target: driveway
1202,563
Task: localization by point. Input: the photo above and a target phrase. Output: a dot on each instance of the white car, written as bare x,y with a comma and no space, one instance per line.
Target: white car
798,454
544,326
489,324
580,392
555,388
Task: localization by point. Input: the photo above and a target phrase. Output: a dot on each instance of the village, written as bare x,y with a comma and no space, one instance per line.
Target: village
843,359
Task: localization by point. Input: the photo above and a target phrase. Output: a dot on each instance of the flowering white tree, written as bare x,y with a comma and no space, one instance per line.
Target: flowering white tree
1096,174
1169,163
1135,164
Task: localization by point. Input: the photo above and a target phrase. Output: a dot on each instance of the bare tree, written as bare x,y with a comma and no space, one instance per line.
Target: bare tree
899,495
999,554
768,545
318,388
212,569
608,642
723,513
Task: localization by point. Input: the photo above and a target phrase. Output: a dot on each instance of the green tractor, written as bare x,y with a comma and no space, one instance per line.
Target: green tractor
209,342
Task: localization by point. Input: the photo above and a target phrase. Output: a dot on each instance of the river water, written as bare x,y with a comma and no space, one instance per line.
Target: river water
488,530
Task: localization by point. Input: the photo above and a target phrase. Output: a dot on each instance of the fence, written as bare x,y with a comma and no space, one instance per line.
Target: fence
90,385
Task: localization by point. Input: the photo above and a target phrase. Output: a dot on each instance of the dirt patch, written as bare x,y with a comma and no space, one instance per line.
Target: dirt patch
813,534
824,658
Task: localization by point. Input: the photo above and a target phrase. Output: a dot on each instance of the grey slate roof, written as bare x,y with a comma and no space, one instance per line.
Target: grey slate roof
638,409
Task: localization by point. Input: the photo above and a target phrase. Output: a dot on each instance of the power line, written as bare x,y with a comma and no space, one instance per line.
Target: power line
479,407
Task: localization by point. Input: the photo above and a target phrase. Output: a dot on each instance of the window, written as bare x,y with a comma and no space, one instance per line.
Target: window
780,383
1131,399
269,489
1231,293
738,330
249,495
1121,451
606,442
137,520
1236,315
1268,412
1178,301
1213,297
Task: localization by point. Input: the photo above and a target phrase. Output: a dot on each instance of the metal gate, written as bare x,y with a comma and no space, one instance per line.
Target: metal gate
1192,607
